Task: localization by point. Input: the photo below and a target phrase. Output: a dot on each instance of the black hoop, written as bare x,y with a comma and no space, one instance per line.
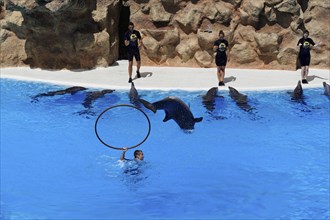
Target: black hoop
122,105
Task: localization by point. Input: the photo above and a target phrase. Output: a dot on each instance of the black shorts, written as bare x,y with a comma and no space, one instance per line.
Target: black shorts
221,60
133,53
304,60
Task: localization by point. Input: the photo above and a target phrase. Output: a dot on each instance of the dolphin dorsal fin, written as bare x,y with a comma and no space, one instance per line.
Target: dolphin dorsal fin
167,117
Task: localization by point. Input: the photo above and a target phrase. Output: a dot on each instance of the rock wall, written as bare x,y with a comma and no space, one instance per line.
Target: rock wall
261,33
82,34
72,34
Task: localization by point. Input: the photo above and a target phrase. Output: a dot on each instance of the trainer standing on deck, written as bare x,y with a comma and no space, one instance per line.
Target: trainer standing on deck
220,46
305,44
133,42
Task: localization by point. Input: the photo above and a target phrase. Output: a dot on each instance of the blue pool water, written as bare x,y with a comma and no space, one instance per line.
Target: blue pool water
269,163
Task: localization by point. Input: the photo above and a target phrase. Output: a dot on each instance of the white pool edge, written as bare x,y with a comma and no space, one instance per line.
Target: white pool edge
170,78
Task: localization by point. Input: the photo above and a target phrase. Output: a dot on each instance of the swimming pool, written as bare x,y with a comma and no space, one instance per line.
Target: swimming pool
271,162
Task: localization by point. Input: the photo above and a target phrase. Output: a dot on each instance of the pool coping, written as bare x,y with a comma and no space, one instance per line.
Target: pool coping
170,78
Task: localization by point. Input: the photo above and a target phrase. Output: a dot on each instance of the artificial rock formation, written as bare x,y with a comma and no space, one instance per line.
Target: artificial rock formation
72,34
261,33
80,34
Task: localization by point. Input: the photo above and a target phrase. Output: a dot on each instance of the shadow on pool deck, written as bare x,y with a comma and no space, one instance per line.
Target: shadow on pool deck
311,78
144,75
229,79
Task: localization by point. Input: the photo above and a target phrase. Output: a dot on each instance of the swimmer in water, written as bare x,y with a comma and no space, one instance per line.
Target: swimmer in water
138,155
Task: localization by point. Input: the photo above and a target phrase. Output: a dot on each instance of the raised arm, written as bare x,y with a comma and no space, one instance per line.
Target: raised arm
122,156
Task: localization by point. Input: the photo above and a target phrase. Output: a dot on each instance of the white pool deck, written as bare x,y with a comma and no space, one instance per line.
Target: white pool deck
170,78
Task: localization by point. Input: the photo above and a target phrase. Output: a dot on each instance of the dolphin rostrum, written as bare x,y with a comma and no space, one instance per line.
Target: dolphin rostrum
174,109
326,89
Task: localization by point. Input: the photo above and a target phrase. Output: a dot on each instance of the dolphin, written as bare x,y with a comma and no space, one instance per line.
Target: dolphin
92,96
174,109
297,94
326,89
209,98
134,95
71,90
240,99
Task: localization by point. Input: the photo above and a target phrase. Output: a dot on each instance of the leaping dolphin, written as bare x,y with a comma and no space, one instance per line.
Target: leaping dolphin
71,90
240,99
326,89
174,109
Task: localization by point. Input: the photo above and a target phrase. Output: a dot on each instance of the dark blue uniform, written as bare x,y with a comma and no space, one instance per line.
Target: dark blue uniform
304,53
133,47
221,57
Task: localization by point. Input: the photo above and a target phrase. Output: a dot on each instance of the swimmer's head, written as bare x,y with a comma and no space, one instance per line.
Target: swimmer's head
138,155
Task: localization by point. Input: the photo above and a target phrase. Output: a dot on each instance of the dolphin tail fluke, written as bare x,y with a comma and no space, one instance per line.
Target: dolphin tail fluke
148,105
198,119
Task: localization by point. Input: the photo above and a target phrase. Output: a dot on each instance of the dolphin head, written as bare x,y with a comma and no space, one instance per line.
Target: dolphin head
233,91
297,93
133,90
212,92
298,90
189,125
326,88
238,97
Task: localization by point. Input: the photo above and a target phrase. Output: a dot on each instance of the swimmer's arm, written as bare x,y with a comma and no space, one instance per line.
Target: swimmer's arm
122,156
